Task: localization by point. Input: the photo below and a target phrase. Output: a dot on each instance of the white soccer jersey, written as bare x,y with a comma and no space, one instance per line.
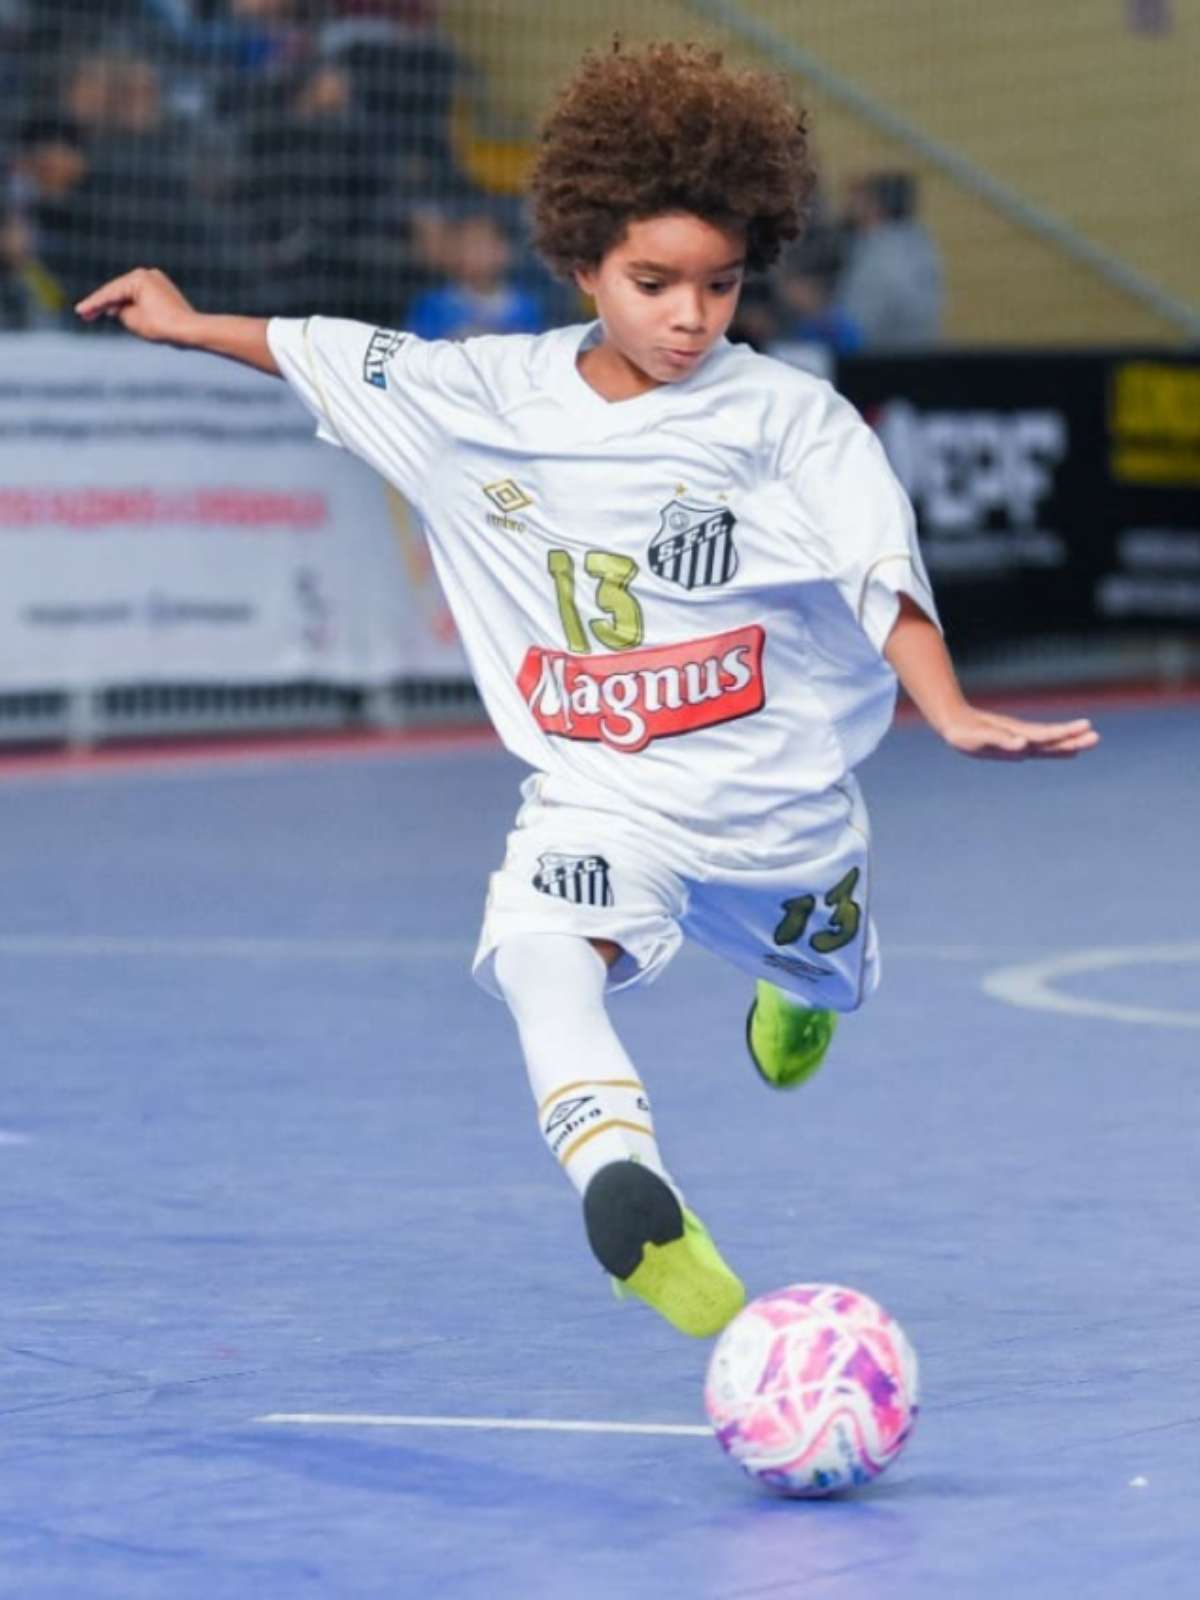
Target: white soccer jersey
674,603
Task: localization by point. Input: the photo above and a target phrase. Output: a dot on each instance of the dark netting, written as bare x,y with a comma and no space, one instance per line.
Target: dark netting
273,156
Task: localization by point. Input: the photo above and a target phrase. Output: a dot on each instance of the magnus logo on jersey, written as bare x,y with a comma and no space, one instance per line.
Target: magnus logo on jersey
629,699
583,880
694,545
382,347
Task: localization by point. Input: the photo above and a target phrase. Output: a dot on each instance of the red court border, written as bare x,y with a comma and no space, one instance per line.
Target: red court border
150,755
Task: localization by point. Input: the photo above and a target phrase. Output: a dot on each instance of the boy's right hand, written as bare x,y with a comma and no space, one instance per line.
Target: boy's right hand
144,301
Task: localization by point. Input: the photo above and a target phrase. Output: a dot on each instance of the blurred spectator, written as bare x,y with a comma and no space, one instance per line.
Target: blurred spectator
340,164
412,13
404,77
891,286
480,296
49,161
808,314
310,182
273,13
13,72
27,297
788,313
109,183
48,169
756,320
257,34
271,154
53,29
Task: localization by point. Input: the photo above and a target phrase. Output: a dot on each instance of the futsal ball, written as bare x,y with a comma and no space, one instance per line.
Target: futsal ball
812,1389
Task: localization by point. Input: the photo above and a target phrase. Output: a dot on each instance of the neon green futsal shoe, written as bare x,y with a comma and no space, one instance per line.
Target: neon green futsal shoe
787,1042
657,1251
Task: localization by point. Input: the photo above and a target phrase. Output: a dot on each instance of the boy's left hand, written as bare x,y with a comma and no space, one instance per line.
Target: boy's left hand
992,737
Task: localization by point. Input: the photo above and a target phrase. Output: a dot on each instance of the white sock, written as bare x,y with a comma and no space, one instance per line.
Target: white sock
592,1106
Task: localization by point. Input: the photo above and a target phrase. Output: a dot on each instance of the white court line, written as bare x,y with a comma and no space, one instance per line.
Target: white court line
13,1138
234,948
1031,985
352,1419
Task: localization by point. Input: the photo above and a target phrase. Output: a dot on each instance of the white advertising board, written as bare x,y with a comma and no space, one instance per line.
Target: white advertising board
166,516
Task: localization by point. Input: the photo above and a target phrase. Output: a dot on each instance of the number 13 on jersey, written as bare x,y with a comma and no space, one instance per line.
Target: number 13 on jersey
624,627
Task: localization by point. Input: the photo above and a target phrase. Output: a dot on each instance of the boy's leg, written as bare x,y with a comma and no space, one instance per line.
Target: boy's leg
807,924
592,1106
595,1117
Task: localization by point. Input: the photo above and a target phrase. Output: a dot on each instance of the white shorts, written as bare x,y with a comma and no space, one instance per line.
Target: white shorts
804,924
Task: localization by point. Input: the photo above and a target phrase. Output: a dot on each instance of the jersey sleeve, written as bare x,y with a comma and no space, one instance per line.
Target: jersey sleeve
857,517
391,398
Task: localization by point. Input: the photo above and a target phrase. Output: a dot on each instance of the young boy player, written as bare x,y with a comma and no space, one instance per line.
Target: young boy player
686,580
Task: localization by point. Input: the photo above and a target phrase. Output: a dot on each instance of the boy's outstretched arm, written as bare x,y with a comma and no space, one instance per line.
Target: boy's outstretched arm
147,303
920,660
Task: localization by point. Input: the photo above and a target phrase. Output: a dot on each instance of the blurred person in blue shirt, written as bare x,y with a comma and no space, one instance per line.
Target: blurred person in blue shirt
809,315
480,296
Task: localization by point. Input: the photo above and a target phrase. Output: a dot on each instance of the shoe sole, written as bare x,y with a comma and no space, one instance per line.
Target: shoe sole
776,1083
635,1228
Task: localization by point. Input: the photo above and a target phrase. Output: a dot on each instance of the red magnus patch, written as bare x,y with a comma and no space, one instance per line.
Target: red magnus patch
629,699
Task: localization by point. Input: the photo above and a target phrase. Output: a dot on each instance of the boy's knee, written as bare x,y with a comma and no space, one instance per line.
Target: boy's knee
608,951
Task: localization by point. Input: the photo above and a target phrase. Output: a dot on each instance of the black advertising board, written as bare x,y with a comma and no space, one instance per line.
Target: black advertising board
1055,493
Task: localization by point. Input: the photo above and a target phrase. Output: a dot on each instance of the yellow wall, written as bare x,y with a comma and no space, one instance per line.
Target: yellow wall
1056,98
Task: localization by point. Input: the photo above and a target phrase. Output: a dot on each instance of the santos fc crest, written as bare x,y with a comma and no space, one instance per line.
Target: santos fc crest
583,880
694,545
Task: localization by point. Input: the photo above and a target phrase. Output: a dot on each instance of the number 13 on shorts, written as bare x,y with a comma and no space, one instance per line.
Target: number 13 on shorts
845,916
812,938
821,942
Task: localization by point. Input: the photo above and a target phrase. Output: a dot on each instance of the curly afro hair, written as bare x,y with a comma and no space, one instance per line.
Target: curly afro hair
639,133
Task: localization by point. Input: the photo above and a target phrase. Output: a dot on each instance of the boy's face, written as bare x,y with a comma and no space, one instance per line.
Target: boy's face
666,293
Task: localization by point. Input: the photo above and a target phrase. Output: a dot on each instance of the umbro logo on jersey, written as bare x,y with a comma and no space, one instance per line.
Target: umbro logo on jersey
507,496
694,545
629,699
583,880
382,347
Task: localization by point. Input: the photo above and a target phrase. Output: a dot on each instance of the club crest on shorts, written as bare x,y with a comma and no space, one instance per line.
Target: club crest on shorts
583,880
694,545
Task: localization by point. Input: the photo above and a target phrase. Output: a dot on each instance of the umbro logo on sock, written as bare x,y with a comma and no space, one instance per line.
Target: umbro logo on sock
565,1110
568,1117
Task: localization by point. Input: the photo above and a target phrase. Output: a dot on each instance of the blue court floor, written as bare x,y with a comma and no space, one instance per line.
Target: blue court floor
266,1151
